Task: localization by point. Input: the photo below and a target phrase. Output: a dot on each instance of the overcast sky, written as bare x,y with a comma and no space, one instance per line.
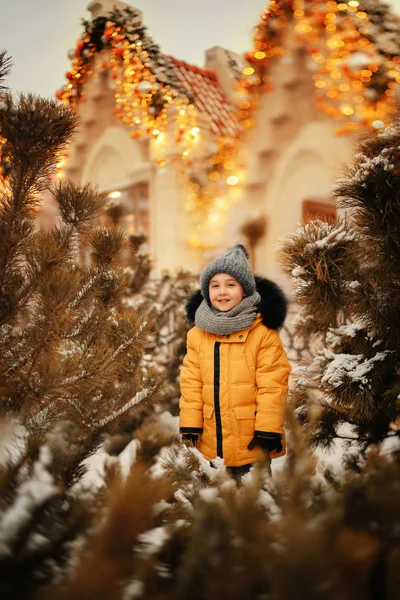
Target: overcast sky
38,33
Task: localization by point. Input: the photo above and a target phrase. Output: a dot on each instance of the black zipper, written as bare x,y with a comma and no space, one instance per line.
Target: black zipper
217,406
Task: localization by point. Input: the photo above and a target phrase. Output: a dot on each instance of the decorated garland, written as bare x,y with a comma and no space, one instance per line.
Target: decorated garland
145,82
354,50
227,163
268,44
355,60
147,94
355,63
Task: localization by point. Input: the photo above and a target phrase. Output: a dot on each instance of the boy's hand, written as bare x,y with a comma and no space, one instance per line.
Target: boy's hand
267,444
190,439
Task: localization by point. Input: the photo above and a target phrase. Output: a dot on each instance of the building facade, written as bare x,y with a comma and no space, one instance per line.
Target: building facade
282,168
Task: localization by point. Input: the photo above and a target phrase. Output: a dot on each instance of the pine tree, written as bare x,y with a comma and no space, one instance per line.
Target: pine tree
5,67
179,528
69,350
161,300
170,525
347,279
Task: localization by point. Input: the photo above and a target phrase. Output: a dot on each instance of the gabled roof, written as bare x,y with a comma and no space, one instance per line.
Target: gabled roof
208,96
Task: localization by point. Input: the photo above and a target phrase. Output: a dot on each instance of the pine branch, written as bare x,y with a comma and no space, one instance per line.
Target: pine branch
36,131
5,68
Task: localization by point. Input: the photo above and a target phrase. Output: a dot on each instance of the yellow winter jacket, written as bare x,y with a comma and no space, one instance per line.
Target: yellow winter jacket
235,386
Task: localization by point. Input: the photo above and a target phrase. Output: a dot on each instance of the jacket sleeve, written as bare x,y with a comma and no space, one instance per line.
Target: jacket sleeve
272,374
191,401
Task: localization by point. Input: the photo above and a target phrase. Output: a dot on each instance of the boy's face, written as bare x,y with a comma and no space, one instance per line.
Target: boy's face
225,292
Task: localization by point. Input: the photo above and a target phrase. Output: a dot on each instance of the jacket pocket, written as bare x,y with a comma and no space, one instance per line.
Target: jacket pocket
209,435
208,411
246,421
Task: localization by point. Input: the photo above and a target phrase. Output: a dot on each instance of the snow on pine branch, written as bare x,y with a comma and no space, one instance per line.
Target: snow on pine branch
329,238
30,496
343,368
138,397
77,329
84,290
13,443
366,168
334,337
121,348
89,284
150,542
130,342
312,242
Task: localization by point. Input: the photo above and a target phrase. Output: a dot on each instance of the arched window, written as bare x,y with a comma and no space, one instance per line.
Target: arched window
129,207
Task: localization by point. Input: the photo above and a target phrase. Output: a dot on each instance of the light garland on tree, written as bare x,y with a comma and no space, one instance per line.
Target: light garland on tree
209,199
3,164
227,164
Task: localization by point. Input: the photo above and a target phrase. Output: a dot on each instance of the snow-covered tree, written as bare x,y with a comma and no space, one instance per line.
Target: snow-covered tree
69,350
347,283
160,299
179,528
159,521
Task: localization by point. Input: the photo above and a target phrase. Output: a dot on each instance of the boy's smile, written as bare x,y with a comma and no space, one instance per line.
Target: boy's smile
225,292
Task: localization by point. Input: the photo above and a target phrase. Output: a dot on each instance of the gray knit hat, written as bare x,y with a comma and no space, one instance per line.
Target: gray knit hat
235,263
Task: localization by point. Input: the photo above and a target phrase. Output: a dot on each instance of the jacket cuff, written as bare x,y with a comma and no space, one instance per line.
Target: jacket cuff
270,435
197,430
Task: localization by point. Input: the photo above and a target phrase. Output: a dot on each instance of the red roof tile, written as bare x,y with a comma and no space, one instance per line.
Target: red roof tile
208,96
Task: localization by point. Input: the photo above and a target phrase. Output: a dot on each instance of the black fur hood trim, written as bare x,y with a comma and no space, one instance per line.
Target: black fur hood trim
273,305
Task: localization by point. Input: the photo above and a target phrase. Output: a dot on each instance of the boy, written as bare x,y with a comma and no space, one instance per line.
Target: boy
235,374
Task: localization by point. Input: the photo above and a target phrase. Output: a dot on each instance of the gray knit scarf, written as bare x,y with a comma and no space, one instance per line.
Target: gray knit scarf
240,317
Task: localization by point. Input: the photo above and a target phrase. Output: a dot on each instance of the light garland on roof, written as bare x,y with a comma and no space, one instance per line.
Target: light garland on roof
227,164
355,78
149,99
355,81
146,88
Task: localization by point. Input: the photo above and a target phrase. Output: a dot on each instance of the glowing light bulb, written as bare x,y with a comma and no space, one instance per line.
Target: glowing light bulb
347,110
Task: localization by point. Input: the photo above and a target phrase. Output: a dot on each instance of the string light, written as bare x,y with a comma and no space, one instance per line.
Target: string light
227,163
354,80
353,77
145,83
